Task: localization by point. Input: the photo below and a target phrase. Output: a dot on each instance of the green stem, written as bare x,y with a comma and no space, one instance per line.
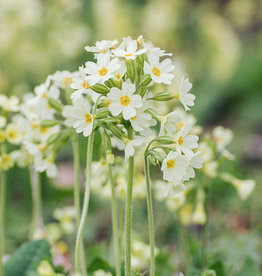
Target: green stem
184,245
2,212
86,202
77,197
115,224
128,212
205,232
36,201
150,218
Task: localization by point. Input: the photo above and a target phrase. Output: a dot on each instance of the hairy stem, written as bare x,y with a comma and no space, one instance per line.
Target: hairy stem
35,179
114,220
86,202
77,197
2,212
128,212
150,218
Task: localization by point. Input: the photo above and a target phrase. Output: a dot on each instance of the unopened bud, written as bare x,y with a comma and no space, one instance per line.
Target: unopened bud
131,72
162,97
110,83
102,113
55,104
100,88
145,80
53,138
117,131
48,123
166,140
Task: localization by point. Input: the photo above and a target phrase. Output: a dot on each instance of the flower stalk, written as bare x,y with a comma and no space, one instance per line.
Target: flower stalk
128,211
115,223
150,217
2,212
86,203
35,179
75,146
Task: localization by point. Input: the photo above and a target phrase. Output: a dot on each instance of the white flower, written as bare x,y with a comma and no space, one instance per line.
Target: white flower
46,164
185,142
222,137
199,215
131,144
102,46
9,104
117,143
13,135
159,71
102,70
118,74
174,167
22,157
244,187
131,51
2,121
79,116
66,217
142,120
168,123
63,79
81,86
45,91
124,101
186,98
195,162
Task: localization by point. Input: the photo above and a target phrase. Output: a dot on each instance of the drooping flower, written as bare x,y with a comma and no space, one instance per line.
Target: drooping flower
9,104
142,120
168,123
102,70
124,101
79,116
159,71
187,99
185,141
222,137
131,144
102,47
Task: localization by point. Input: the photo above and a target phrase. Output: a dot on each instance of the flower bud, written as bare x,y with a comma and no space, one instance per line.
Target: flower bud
110,83
2,136
162,97
102,113
145,80
131,72
110,158
100,88
166,140
199,215
55,104
117,131
52,138
48,123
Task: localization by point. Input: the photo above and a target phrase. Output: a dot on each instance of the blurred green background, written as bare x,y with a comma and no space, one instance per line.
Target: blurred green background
217,43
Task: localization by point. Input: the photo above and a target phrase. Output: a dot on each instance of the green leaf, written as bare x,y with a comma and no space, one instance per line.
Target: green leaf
99,263
26,259
250,267
219,268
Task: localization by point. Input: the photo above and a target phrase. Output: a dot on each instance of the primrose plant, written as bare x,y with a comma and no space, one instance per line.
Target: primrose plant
114,96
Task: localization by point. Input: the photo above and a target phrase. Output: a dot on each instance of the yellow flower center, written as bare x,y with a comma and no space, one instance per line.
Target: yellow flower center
44,95
180,141
180,125
118,76
43,130
103,71
88,118
107,103
129,55
85,85
125,100
156,72
176,95
67,81
133,118
170,163
34,125
12,134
